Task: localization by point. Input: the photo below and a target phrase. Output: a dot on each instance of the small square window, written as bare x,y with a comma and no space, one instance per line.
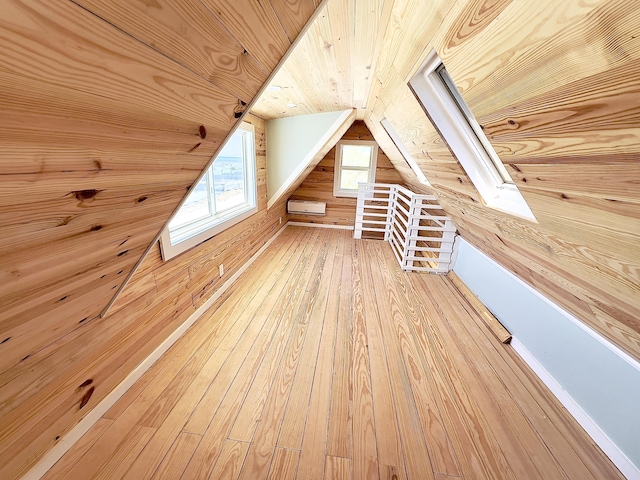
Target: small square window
449,113
225,195
355,163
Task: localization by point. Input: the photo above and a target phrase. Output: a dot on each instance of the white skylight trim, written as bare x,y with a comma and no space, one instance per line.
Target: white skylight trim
455,122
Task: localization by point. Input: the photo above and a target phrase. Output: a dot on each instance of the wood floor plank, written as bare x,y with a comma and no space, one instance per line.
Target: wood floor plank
507,419
365,451
390,452
322,315
314,442
250,349
366,371
442,456
124,456
248,418
66,463
180,352
394,333
340,417
337,468
469,453
284,465
264,442
184,408
177,458
205,456
230,460
476,428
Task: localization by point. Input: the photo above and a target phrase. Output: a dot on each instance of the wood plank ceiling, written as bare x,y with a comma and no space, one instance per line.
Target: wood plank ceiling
555,86
110,111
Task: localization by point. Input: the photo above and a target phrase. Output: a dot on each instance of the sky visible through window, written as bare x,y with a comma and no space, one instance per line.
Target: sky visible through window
226,179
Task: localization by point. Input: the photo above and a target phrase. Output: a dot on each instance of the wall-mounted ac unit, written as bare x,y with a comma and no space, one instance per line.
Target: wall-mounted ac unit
306,207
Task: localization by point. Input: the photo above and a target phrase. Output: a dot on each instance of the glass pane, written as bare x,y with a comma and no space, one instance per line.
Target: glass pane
195,207
229,174
350,178
356,155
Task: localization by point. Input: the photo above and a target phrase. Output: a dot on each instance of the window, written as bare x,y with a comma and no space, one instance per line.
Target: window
355,163
442,102
224,195
405,153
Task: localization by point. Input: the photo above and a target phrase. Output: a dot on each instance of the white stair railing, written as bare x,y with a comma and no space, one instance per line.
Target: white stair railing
420,234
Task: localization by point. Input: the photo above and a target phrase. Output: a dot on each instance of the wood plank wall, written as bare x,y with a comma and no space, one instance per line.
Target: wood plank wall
47,393
110,111
318,185
555,86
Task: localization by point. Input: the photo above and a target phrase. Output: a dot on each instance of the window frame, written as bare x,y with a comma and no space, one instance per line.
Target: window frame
337,176
176,241
444,105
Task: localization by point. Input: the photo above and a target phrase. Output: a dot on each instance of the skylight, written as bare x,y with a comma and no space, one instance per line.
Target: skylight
443,104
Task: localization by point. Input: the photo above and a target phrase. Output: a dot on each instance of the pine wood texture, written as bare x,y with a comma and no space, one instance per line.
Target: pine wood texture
45,394
318,184
327,328
474,302
332,67
555,88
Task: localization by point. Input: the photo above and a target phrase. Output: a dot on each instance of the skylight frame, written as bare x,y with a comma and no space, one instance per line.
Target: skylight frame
437,94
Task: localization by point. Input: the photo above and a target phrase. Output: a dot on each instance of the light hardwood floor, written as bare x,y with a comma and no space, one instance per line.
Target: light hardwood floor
326,361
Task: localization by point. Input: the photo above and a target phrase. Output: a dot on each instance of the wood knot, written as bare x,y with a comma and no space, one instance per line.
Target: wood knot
239,109
124,252
95,228
86,383
194,147
85,398
83,195
202,132
141,199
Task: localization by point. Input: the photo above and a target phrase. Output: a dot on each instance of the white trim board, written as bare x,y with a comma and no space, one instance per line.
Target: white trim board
601,439
320,225
70,438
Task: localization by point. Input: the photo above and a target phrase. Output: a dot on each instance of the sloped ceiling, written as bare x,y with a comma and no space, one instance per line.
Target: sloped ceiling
555,87
110,111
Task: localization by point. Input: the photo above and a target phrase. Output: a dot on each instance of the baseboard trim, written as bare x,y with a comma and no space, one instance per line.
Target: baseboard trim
68,440
601,439
320,225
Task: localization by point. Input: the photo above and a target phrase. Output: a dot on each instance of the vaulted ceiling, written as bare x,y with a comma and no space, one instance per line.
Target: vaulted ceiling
554,86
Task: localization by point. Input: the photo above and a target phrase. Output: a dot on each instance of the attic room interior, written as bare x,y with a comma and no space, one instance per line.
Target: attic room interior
193,284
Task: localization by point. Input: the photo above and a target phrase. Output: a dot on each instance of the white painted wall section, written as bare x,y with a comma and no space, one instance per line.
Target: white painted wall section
292,144
597,382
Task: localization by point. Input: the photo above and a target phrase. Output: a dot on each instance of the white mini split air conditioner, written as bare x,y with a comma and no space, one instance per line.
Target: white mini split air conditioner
306,207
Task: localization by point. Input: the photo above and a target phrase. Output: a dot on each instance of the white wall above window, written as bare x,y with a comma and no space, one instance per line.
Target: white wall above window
225,195
355,163
438,95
